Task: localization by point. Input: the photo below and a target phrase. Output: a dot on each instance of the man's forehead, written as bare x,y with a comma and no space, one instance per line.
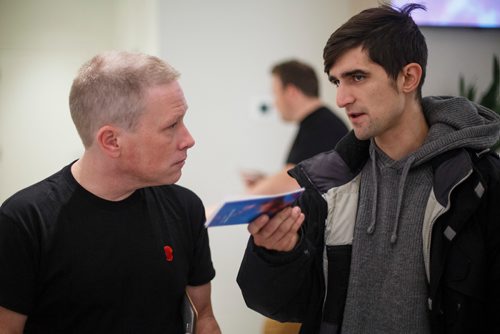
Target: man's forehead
351,60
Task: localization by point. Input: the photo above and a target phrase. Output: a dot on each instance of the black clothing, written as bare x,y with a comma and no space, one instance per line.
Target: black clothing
318,132
76,263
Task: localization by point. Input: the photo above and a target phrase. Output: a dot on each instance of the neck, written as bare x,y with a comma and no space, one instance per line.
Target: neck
97,177
306,107
407,136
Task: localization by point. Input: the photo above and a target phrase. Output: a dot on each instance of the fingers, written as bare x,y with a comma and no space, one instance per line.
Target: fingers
289,240
279,233
255,226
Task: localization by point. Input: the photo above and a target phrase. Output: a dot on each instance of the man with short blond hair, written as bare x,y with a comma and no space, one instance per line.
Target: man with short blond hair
109,244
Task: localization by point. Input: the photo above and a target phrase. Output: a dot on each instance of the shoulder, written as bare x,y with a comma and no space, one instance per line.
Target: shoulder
42,197
327,114
487,164
324,123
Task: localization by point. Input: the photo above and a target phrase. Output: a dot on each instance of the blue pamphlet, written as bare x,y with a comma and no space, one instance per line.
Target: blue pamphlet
244,211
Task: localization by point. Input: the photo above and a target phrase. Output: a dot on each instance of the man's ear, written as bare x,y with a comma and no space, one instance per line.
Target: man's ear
291,90
411,74
107,139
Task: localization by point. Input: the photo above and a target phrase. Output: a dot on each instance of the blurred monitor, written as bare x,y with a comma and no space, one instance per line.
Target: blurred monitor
456,13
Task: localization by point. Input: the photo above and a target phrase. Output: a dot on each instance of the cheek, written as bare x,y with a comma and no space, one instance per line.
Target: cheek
277,104
138,157
162,151
385,98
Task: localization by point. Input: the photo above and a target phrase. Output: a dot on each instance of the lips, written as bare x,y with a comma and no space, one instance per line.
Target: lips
180,162
354,115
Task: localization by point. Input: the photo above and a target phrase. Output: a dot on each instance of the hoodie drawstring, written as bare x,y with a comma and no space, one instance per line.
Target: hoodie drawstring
371,228
401,188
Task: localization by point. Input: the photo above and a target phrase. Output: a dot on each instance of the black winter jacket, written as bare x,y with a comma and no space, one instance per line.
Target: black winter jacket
462,247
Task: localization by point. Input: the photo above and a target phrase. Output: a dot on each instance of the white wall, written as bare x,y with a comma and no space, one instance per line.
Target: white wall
42,44
224,50
458,51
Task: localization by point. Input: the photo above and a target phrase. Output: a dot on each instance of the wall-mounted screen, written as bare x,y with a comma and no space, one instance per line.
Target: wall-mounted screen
456,13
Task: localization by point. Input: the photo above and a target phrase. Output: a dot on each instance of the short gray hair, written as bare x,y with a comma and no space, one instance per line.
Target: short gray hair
110,89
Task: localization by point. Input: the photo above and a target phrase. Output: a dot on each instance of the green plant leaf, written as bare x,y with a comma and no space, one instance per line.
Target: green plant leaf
471,92
491,97
461,85
468,91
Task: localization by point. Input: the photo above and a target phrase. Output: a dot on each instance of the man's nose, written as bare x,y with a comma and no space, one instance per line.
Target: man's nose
187,140
344,97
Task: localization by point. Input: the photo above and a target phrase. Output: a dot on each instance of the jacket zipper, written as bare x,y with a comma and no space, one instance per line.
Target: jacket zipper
437,216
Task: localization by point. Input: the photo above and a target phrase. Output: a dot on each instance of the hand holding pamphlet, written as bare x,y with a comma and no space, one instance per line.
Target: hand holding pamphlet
245,210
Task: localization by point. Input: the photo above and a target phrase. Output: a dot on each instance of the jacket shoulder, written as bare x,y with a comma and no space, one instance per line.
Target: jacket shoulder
487,164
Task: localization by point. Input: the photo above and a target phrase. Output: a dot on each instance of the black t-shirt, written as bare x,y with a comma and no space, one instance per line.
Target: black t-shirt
318,132
75,263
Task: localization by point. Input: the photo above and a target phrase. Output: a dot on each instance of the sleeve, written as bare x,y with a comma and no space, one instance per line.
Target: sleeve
17,266
285,286
202,270
492,211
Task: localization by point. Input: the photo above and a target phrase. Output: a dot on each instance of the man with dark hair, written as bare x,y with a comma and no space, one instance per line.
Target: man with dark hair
296,97
398,230
109,244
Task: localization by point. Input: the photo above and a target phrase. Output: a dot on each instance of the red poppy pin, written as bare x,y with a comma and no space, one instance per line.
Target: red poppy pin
169,253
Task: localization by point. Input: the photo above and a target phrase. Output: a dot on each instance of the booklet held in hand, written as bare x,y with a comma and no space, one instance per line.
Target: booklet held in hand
245,210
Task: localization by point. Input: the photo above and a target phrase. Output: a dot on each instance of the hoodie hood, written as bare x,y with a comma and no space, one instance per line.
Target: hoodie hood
455,122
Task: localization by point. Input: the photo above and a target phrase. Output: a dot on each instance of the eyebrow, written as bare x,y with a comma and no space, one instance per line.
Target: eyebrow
332,78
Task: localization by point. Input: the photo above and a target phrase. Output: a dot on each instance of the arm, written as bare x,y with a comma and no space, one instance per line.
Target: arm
11,322
17,276
277,275
286,285
200,295
492,216
274,184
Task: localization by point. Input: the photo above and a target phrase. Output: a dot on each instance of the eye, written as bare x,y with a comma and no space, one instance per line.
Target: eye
334,80
171,126
358,77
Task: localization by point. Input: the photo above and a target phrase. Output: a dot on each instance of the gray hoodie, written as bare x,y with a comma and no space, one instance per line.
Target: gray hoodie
387,286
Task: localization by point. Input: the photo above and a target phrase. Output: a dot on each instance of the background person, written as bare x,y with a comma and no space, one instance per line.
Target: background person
295,89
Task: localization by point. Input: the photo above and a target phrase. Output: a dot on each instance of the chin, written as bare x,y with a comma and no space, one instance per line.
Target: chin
173,179
162,181
361,136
